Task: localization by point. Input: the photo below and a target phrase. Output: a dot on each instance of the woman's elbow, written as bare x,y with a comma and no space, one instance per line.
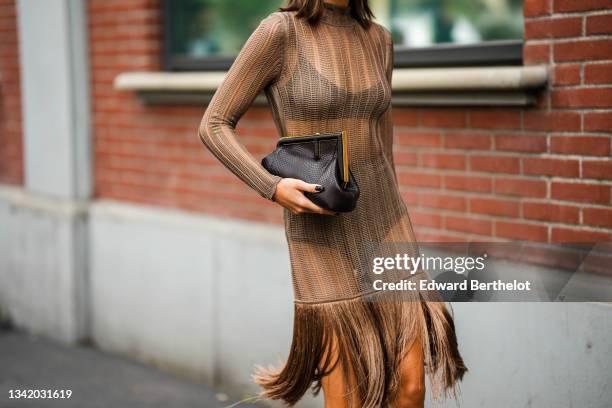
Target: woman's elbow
203,133
206,130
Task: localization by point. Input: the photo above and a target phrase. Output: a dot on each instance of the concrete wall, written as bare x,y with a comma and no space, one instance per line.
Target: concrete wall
43,256
213,297
55,86
209,298
535,354
199,295
43,270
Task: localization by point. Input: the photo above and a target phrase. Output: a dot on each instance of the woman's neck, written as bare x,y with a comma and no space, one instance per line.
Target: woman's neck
342,3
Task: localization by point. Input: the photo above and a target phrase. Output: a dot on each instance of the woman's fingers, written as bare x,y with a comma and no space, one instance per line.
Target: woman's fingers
312,207
290,194
308,205
309,187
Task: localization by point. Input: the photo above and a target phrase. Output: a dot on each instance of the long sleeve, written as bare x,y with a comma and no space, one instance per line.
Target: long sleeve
258,64
387,119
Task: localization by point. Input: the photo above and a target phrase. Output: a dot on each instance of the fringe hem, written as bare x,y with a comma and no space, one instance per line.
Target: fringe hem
373,333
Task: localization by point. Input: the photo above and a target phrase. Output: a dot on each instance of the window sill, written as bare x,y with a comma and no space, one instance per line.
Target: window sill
473,86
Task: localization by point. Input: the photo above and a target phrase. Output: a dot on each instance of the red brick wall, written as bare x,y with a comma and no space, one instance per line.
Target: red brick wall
11,141
542,173
151,154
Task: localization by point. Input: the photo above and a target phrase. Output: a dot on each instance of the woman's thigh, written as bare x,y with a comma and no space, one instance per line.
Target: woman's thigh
412,382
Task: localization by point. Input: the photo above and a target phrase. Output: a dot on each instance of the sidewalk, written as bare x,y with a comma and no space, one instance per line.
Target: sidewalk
95,378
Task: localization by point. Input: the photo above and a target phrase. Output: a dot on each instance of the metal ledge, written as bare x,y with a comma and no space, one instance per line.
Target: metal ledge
464,86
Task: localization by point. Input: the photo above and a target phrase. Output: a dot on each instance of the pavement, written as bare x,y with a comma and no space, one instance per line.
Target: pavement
96,379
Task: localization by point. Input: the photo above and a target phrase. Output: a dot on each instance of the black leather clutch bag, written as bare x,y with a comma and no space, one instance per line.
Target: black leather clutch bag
320,158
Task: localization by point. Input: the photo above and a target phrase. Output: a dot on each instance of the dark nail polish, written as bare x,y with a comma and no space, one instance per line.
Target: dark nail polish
319,188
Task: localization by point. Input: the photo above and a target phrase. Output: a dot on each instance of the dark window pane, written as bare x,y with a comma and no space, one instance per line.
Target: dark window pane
201,28
422,23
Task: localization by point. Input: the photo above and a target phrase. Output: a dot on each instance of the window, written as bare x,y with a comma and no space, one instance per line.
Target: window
207,34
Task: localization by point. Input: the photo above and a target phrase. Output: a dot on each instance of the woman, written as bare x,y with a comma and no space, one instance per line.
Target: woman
326,66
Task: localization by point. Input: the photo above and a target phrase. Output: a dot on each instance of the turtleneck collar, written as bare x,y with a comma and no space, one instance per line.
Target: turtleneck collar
337,15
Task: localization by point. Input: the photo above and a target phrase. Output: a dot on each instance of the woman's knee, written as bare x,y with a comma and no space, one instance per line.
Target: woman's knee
411,394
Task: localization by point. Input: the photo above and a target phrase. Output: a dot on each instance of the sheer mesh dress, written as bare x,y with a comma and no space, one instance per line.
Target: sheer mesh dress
327,77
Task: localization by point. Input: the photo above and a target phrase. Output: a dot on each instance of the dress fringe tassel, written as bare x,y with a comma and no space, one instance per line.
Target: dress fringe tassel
373,335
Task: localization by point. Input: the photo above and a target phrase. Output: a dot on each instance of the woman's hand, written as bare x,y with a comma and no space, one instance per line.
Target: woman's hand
289,194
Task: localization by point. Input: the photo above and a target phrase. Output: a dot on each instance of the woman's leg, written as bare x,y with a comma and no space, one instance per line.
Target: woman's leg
412,385
411,393
335,392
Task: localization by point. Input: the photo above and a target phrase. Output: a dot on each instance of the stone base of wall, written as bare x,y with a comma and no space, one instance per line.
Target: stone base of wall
207,298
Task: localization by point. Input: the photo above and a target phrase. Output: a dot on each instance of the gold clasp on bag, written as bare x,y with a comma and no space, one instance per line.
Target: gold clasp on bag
345,155
345,159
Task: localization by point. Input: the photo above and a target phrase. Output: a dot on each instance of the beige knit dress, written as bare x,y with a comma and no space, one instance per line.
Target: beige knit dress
321,78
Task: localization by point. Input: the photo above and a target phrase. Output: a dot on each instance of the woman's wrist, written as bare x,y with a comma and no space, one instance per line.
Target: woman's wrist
272,195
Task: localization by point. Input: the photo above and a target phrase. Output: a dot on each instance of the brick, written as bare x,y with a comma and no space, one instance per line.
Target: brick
598,262
404,117
520,187
495,164
598,73
456,140
494,206
113,6
405,158
538,166
521,231
410,197
580,5
536,53
468,224
599,217
582,98
599,24
418,178
521,143
580,145
11,143
444,118
443,201
439,237
598,121
566,74
575,235
551,212
553,28
468,183
256,148
583,50
425,219
532,8
597,169
419,139
443,160
146,17
150,143
552,121
581,192
494,119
